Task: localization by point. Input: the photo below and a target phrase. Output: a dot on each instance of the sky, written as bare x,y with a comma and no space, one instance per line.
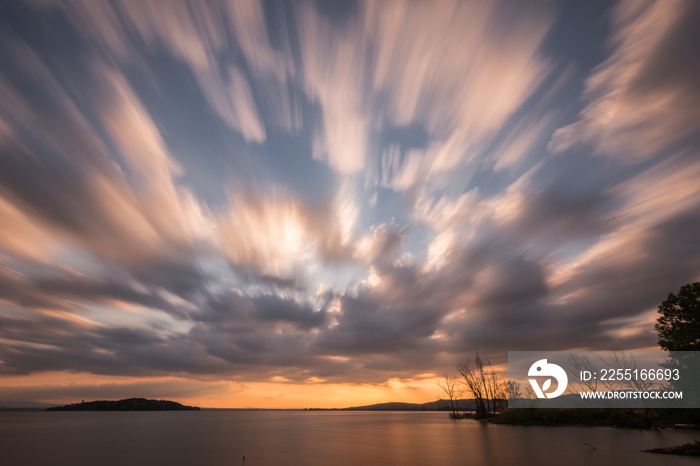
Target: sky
324,204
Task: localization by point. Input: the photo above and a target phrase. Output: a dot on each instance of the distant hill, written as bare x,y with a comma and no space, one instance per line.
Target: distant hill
23,406
439,405
130,404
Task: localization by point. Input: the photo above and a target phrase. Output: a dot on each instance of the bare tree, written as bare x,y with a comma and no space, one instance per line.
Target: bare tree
624,361
451,387
484,385
617,361
471,380
514,391
579,364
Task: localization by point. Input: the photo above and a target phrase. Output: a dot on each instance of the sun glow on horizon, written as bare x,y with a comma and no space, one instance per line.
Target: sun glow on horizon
61,388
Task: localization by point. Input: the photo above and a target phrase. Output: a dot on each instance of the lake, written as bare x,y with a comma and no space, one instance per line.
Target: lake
314,438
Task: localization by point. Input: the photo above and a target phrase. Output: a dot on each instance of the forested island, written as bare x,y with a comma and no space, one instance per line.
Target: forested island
130,404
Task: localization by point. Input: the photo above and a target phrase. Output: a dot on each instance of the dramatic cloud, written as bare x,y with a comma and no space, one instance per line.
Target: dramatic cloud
255,204
645,96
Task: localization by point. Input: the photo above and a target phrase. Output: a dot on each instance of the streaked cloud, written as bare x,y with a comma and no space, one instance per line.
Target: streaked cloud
226,202
461,69
334,60
198,34
644,97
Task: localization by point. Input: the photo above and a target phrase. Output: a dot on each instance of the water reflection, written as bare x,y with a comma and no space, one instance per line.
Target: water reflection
313,439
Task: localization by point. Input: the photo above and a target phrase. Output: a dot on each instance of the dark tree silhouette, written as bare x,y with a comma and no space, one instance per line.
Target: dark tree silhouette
450,386
679,322
482,382
679,333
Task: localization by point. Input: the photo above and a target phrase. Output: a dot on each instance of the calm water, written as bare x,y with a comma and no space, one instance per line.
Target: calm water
313,439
